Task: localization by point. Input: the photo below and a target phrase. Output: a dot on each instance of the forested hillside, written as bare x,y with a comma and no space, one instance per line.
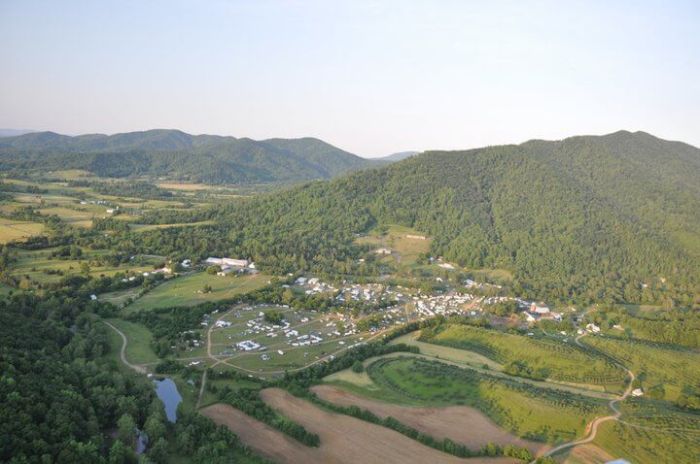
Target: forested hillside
177,155
598,218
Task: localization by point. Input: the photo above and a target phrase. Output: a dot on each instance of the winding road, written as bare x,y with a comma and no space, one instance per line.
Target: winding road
592,428
122,353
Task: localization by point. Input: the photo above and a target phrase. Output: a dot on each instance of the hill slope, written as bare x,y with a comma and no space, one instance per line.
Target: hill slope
588,217
177,155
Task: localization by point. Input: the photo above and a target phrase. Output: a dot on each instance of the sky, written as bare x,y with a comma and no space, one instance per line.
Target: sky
370,77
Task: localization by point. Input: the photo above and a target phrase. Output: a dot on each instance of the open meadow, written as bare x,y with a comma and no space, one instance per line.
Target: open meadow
189,290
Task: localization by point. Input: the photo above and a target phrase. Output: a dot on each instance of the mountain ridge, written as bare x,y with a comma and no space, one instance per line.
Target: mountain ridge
172,153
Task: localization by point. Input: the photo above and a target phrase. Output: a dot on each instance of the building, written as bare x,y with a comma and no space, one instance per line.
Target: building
383,251
637,392
593,328
230,262
539,308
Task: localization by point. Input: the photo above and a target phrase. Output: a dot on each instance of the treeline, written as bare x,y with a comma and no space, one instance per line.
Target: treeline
669,325
135,189
248,401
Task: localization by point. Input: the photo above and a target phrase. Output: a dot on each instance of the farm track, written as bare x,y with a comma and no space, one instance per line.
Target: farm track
592,428
122,353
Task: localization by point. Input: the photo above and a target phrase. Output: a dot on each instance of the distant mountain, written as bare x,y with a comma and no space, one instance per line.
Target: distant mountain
177,155
14,132
610,218
402,155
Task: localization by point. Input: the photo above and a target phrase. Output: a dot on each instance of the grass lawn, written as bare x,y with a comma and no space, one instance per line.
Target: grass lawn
120,297
448,353
187,290
11,229
138,349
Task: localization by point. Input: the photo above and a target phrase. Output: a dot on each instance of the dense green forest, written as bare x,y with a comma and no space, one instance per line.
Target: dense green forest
176,155
604,219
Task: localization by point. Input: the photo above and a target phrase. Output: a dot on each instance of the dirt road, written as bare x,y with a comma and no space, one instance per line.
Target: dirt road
122,353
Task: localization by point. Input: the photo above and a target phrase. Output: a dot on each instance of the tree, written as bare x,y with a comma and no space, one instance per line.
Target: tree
126,428
358,367
120,454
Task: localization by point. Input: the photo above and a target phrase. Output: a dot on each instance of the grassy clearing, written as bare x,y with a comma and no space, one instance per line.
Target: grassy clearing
542,357
11,229
120,297
654,364
188,290
448,353
138,349
74,217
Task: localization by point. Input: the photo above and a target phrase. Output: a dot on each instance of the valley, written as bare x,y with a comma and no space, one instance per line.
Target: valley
310,319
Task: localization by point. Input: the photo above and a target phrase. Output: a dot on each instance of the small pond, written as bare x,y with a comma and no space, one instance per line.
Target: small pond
168,394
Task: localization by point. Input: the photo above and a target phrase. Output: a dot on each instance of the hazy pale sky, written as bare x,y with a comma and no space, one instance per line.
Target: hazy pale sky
368,76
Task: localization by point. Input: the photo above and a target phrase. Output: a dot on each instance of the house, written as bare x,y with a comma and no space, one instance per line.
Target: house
591,327
93,297
230,262
637,392
222,324
539,308
383,251
110,211
416,237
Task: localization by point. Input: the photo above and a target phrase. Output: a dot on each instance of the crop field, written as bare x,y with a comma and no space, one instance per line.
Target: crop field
543,357
339,435
528,411
42,269
652,445
461,424
74,217
188,290
655,364
11,229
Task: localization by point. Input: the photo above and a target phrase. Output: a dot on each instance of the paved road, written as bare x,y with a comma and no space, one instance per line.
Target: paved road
122,353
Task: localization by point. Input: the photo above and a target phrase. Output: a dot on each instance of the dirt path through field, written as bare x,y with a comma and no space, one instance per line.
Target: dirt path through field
122,353
460,424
